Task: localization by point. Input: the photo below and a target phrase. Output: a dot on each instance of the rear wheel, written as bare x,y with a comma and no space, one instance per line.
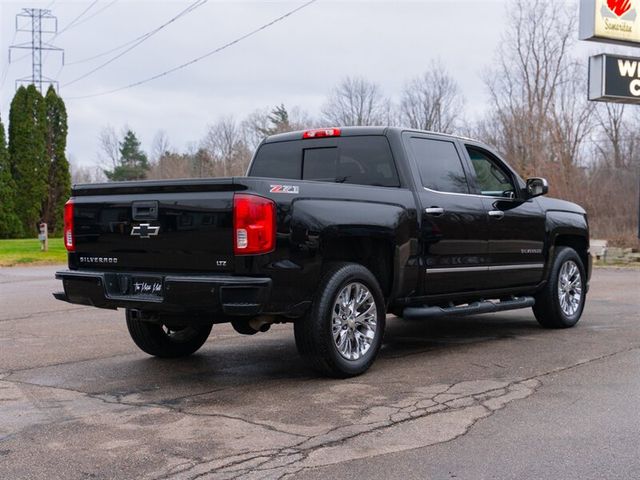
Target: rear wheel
560,303
165,341
341,335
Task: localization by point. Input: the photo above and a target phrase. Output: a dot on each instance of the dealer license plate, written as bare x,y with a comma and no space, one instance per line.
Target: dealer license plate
147,287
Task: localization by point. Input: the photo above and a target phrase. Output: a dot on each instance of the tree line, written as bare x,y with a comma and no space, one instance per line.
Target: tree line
35,182
538,118
431,101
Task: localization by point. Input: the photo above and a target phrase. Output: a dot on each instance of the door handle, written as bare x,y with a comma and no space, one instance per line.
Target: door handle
434,211
497,214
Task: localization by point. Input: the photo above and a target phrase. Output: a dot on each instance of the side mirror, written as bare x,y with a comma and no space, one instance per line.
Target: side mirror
537,186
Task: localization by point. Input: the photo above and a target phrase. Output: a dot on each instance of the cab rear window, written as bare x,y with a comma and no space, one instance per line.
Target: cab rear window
364,160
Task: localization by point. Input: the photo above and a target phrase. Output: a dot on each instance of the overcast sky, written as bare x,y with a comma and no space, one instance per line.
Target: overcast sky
296,61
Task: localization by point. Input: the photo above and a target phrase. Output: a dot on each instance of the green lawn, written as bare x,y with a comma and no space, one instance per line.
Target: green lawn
27,252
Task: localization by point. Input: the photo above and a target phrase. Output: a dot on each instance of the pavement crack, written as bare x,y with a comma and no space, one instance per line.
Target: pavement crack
300,453
47,312
485,402
115,401
379,425
223,415
60,364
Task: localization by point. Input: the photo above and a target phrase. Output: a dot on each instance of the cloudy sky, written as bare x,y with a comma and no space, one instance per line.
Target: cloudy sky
295,61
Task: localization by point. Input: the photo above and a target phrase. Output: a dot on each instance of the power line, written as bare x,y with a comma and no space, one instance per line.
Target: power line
77,21
97,12
6,70
201,57
73,22
189,9
114,49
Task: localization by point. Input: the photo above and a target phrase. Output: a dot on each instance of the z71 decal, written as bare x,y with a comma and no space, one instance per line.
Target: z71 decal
284,189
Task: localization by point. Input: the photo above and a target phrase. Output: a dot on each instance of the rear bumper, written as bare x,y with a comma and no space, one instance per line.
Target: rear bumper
227,295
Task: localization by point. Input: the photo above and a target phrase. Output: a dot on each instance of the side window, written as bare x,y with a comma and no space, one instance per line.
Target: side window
367,161
492,180
439,164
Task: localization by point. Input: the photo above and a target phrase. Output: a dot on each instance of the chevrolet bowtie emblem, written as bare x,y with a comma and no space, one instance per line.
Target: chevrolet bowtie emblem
144,230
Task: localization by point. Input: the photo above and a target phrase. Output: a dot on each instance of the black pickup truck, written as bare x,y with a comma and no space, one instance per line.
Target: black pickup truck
331,230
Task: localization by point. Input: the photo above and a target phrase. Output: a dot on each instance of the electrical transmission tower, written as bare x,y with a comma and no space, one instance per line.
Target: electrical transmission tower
40,22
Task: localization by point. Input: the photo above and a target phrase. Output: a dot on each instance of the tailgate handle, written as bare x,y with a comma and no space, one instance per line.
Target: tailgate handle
145,210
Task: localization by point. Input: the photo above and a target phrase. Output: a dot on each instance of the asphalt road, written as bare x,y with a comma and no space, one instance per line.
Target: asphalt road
483,397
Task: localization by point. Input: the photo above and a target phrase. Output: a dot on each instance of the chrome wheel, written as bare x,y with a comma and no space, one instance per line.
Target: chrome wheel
354,321
569,288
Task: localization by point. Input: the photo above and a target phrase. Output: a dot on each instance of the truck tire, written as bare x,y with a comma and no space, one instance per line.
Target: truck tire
341,334
560,303
161,341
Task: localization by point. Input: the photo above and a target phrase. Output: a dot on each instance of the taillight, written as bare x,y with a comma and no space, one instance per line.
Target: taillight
322,132
254,224
69,239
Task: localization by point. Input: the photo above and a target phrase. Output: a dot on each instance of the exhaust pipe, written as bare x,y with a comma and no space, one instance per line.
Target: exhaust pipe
253,325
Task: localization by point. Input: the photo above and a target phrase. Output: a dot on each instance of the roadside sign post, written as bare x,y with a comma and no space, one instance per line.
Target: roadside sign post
44,237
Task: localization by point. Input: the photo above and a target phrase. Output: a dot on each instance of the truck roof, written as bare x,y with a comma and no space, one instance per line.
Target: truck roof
356,131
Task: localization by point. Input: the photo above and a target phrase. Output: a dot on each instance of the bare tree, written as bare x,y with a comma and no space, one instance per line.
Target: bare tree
356,101
172,165
619,143
225,143
432,101
571,125
533,62
161,152
254,125
85,173
109,147
160,146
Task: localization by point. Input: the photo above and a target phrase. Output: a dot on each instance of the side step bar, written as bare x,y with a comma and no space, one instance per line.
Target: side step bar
485,306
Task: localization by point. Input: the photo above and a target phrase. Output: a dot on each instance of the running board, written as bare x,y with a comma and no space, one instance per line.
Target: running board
485,306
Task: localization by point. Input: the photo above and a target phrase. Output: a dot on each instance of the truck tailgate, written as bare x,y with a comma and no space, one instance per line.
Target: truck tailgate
184,226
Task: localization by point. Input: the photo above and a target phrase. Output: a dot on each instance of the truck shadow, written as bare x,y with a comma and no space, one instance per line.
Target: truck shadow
231,370
411,337
274,356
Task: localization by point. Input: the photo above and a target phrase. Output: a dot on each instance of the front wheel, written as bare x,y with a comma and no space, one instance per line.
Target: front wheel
561,301
341,334
165,341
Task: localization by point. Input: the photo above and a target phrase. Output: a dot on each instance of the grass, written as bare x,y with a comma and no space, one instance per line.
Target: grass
27,252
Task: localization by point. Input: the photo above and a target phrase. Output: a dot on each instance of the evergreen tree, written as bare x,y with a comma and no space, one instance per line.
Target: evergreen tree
278,122
133,164
59,175
27,155
9,221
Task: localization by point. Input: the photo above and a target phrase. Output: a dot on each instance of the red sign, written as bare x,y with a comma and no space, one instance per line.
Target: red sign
619,7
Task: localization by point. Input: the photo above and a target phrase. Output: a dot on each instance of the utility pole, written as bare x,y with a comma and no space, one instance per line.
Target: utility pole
40,21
